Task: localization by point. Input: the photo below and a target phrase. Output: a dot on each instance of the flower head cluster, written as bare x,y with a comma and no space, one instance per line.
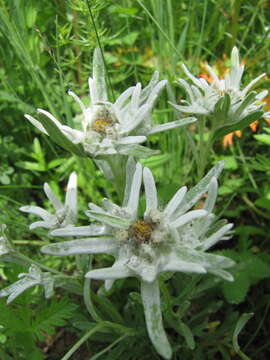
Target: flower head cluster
157,241
65,214
203,97
27,280
172,239
112,128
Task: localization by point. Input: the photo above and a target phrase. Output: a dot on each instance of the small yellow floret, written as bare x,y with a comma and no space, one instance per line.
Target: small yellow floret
142,230
101,125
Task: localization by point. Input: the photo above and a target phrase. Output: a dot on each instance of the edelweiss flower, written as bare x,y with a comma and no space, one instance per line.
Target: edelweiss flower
172,239
34,277
65,214
203,97
111,128
5,245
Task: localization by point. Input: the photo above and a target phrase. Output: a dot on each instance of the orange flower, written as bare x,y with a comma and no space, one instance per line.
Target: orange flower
228,139
206,77
220,66
254,125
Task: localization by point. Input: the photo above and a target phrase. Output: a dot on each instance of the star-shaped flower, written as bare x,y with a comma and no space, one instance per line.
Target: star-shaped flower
26,280
110,128
172,239
224,99
65,214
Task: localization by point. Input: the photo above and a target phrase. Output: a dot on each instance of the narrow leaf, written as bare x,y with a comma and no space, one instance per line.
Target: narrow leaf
239,326
153,317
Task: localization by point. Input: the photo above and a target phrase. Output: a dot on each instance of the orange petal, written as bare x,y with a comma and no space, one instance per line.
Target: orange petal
206,77
228,140
238,133
254,125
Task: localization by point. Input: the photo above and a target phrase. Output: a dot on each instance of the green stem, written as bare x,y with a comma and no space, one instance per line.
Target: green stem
160,28
117,174
30,242
235,22
204,148
187,291
104,324
108,79
87,296
109,347
82,340
254,335
254,208
44,267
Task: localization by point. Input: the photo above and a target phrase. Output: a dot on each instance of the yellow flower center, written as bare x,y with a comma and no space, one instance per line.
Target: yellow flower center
104,119
141,230
101,125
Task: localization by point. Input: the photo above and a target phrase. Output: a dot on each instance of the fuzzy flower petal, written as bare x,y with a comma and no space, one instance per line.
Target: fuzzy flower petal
174,239
223,99
109,128
34,277
65,214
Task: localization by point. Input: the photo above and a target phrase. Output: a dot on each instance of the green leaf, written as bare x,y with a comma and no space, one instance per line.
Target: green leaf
197,191
250,98
231,186
4,179
3,338
59,137
56,314
223,106
187,334
230,162
240,125
38,153
105,305
156,161
56,162
31,16
135,150
182,39
130,38
123,10
235,292
249,270
263,203
153,318
28,165
239,326
258,269
267,130
115,221
263,138
25,342
13,321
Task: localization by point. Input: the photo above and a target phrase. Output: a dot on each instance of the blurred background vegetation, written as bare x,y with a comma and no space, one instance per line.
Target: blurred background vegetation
46,48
